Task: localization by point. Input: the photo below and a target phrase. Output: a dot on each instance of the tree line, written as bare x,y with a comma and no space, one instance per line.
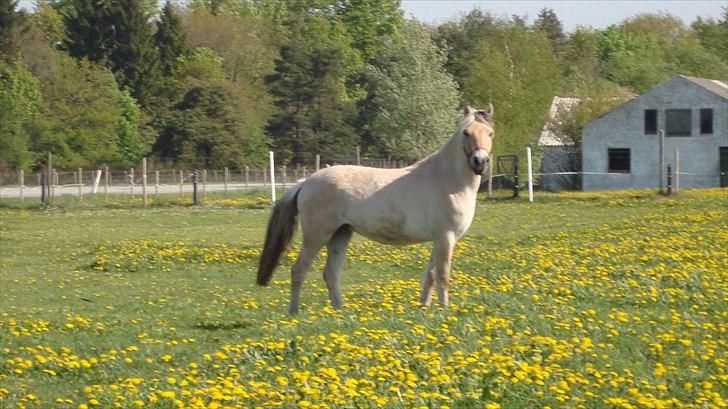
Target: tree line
220,82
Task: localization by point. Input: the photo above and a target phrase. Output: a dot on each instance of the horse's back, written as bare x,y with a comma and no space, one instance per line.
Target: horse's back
381,204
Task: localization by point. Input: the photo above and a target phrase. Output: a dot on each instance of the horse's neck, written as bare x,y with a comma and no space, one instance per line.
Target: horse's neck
451,163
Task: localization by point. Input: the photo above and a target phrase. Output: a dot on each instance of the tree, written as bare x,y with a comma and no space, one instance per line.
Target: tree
519,71
10,27
206,123
713,34
20,99
118,35
462,37
170,38
80,116
549,24
412,100
370,21
313,114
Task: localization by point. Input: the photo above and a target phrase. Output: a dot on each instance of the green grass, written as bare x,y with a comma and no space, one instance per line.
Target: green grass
577,300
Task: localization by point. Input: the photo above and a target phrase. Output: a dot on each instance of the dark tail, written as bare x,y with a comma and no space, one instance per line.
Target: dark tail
281,226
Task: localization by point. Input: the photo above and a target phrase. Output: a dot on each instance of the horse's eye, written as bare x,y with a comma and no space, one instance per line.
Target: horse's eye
467,134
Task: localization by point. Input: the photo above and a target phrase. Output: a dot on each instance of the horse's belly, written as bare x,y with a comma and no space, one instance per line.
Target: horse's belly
389,236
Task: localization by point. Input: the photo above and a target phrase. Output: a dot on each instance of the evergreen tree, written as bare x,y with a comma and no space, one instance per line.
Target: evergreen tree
118,35
169,38
10,25
549,24
313,116
89,29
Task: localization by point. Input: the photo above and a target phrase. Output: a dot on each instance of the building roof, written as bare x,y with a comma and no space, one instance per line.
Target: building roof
717,87
559,105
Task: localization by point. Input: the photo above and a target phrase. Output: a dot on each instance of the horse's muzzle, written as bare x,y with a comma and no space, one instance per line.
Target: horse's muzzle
479,161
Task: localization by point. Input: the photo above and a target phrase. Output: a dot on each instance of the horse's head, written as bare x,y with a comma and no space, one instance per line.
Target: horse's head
477,131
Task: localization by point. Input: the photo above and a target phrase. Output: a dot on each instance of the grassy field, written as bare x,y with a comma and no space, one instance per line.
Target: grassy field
611,300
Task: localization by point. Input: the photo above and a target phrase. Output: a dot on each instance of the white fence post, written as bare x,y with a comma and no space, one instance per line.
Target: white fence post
97,179
530,174
272,177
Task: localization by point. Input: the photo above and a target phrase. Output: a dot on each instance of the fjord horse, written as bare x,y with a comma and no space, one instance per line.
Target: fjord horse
432,200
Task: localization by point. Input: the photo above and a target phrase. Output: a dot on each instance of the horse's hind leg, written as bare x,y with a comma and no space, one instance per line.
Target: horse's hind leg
308,252
337,254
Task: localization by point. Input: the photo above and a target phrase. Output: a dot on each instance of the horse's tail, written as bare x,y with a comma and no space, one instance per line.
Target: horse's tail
281,226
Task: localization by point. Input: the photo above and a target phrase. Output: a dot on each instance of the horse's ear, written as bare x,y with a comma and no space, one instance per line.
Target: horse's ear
488,113
467,110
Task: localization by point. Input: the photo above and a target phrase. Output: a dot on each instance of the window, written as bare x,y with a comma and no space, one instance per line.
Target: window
678,122
706,121
650,121
619,160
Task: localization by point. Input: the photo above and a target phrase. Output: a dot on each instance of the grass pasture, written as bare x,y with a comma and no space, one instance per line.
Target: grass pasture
608,300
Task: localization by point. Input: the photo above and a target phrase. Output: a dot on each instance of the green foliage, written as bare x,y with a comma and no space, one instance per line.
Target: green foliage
411,105
118,35
713,34
20,99
130,140
314,111
206,124
518,70
170,38
80,117
549,24
369,21
461,39
595,99
10,27
649,48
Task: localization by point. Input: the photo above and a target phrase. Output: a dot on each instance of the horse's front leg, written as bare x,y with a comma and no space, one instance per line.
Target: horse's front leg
441,258
428,280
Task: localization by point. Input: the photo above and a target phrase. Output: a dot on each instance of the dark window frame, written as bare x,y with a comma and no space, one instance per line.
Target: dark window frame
614,156
650,122
706,121
669,131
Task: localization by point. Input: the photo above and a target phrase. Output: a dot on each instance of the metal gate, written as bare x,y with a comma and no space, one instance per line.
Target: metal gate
507,173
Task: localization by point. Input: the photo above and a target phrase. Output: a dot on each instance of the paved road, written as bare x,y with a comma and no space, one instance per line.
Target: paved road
15,192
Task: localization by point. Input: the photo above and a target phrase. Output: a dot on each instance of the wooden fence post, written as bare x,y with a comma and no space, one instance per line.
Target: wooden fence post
225,177
79,180
265,177
247,176
358,156
156,184
283,176
131,182
144,181
181,179
107,177
49,198
676,179
318,162
662,161
204,184
490,178
21,183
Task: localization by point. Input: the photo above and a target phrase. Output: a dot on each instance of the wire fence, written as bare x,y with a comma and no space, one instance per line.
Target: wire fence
506,177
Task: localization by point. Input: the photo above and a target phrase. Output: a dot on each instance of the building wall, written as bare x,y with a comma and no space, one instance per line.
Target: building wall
559,159
624,128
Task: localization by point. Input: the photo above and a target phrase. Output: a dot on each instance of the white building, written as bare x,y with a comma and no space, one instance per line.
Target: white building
620,149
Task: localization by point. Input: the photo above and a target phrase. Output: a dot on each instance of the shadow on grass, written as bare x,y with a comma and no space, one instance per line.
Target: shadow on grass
222,326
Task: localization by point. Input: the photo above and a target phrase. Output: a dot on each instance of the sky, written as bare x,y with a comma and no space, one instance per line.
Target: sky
594,13
572,13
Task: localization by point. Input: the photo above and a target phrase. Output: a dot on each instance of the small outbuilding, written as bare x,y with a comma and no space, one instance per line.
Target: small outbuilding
559,155
621,149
